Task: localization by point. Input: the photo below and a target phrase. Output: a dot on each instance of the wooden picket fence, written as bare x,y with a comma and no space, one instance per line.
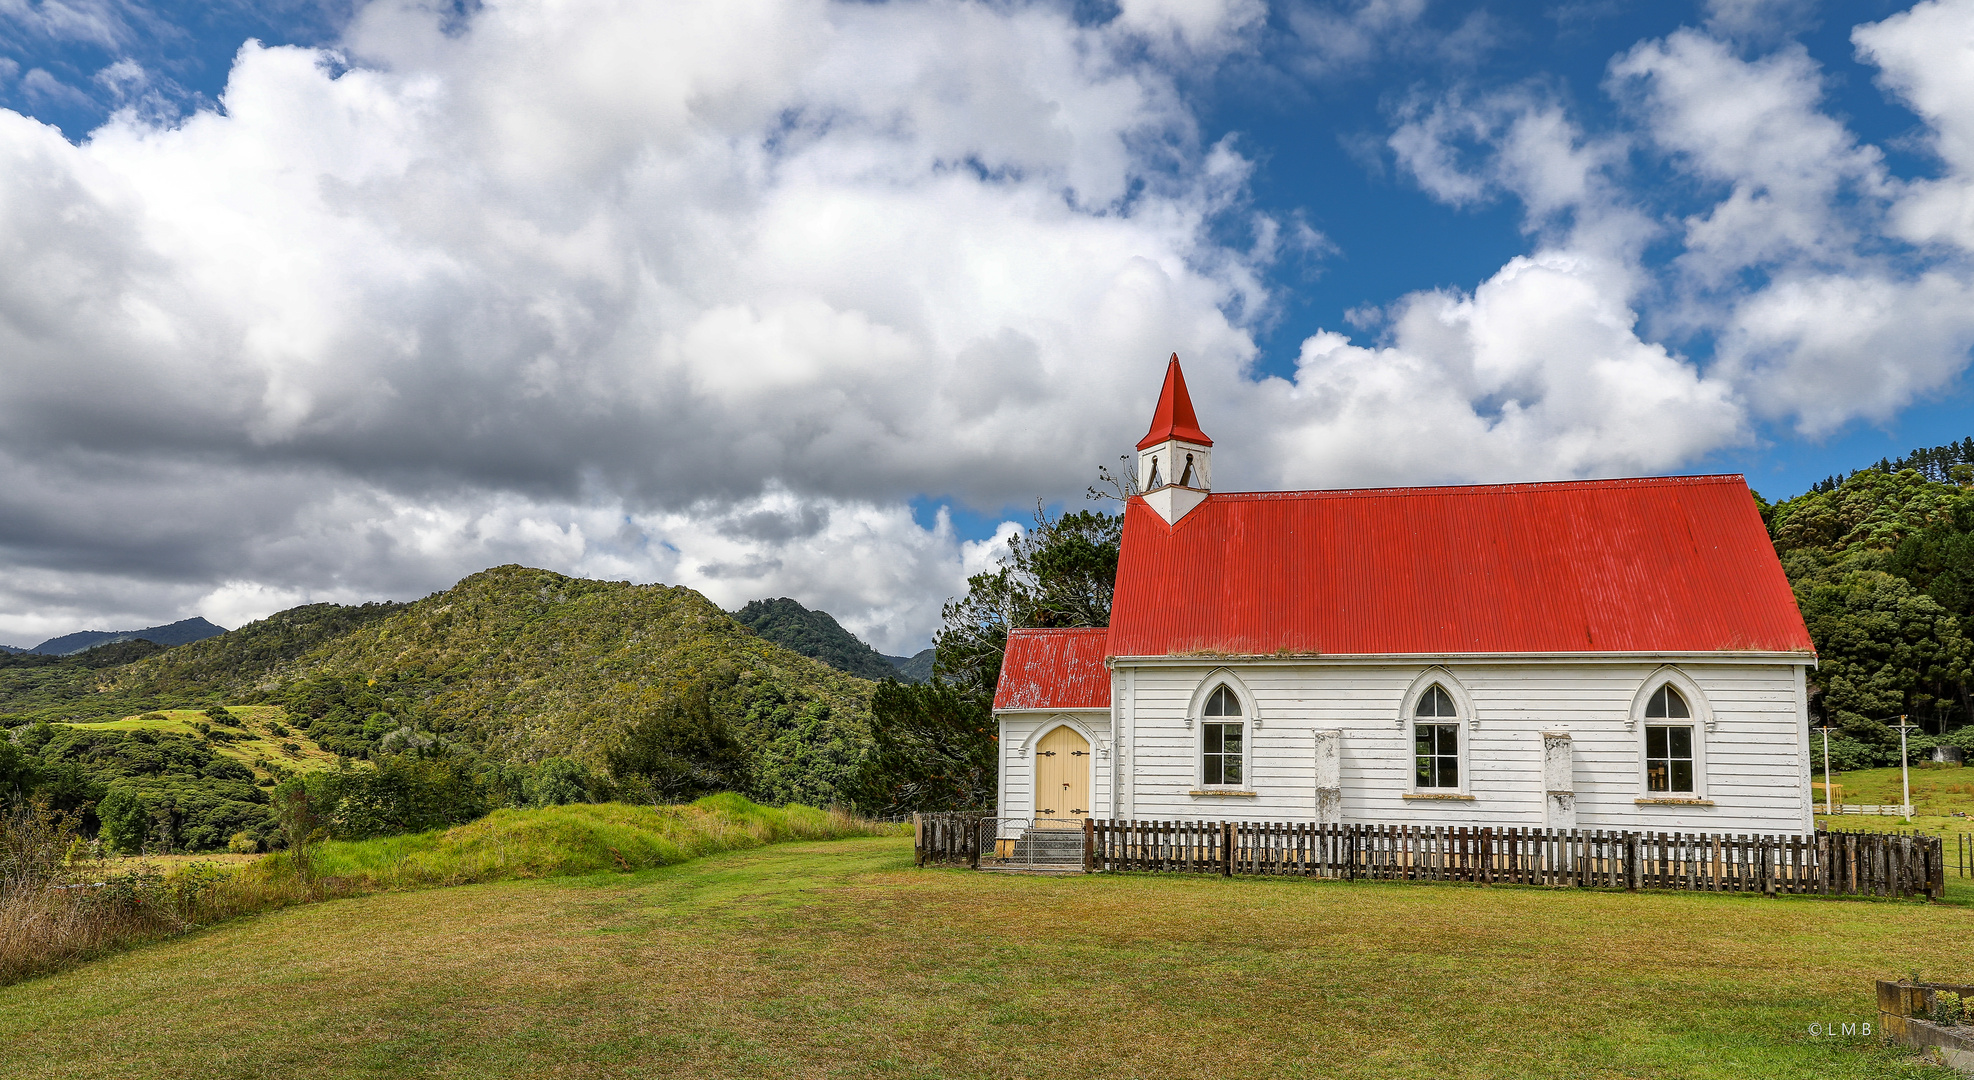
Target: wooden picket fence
952,839
1827,863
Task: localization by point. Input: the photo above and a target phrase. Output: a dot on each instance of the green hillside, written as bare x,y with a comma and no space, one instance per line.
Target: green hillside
814,634
105,682
1883,566
61,689
525,664
250,654
916,668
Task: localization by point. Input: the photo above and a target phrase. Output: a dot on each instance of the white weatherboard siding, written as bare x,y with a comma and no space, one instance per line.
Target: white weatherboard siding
1019,732
1752,763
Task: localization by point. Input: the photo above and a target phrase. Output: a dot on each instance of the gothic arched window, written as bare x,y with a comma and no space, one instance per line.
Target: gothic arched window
1223,754
1436,740
1668,746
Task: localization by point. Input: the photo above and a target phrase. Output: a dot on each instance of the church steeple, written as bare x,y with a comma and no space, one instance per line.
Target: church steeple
1174,417
1175,458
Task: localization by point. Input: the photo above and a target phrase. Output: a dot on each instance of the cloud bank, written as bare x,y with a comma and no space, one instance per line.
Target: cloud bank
711,293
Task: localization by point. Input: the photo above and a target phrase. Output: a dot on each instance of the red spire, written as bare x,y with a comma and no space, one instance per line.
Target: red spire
1174,418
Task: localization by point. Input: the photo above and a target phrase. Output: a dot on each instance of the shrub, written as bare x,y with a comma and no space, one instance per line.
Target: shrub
679,751
1947,1008
125,821
302,814
18,774
243,843
1848,754
556,782
402,793
277,729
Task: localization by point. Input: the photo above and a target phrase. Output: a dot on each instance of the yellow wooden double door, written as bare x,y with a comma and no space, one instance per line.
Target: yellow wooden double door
1062,775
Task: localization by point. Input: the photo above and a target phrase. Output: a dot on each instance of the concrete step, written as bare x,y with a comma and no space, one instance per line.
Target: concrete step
1031,868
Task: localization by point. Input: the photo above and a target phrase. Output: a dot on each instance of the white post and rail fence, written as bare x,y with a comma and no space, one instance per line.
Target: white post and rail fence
1824,864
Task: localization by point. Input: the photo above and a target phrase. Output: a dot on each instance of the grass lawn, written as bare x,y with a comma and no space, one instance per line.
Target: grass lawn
840,959
255,745
1942,801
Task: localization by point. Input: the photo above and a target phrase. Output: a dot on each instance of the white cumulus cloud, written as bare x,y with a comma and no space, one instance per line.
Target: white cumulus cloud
715,292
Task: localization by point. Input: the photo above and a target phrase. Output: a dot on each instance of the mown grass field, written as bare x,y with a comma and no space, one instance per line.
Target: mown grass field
255,744
840,959
1942,801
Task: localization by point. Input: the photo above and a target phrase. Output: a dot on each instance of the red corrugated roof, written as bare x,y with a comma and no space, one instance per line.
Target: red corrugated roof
1174,419
1054,669
1676,564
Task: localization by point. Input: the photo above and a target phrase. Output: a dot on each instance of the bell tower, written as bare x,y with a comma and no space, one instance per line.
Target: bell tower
1175,458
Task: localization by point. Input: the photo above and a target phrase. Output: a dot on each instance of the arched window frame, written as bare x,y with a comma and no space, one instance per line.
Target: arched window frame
1250,721
1469,721
1702,721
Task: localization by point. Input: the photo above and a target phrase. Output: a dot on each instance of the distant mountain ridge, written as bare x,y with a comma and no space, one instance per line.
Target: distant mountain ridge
182,632
914,668
818,635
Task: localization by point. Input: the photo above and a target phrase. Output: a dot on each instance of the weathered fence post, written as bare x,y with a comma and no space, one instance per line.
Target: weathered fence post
1089,844
1226,849
1631,868
918,838
973,843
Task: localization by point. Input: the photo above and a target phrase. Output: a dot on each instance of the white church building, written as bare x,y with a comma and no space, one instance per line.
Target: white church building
1597,654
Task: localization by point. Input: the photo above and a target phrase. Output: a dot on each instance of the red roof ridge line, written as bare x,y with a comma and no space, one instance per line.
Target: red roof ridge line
1695,480
1059,630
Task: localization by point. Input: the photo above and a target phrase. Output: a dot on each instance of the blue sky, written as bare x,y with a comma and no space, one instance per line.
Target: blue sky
812,299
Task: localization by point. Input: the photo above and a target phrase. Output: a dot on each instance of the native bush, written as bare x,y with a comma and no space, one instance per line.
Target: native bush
409,792
19,771
557,781
935,749
124,821
678,751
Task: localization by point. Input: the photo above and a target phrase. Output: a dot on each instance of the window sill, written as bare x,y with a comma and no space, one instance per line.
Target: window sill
1673,802
1221,793
1434,796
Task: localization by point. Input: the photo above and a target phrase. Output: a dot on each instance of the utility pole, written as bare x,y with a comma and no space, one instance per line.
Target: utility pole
1905,776
1827,811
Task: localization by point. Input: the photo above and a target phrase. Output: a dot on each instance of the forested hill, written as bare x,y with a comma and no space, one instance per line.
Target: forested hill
523,664
517,664
1883,566
179,633
916,668
815,634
